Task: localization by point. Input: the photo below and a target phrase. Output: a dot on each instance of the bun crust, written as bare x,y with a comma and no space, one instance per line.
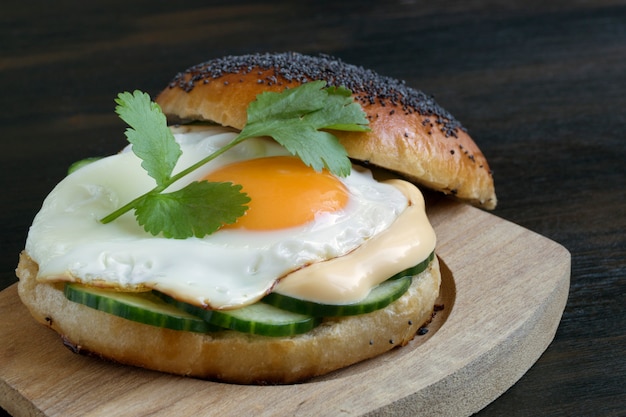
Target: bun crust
231,356
410,133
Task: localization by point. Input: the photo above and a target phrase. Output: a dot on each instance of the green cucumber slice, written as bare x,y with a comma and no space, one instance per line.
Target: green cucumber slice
83,162
277,315
379,297
143,307
258,318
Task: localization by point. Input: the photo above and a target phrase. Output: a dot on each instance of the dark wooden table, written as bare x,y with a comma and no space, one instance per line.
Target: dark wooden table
540,85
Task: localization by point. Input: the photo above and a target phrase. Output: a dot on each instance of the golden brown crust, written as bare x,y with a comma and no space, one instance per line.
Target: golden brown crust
231,356
410,134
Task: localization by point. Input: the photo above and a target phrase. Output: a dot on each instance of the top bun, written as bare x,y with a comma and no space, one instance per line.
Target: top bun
410,133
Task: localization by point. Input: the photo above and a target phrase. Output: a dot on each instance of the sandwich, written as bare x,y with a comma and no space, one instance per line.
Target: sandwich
246,234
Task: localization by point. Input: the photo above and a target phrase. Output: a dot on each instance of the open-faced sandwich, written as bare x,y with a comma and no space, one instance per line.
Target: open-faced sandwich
248,242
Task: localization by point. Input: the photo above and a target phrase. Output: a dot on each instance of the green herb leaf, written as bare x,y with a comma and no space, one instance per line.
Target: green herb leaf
295,119
341,112
151,139
198,209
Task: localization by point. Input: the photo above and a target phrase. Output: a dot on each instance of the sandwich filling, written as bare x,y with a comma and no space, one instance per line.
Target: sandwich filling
307,234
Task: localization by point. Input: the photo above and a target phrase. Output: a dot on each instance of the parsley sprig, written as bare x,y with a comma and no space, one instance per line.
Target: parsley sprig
299,119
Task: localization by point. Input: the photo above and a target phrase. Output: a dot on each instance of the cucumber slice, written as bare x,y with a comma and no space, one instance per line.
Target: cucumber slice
258,318
379,297
142,307
83,162
277,315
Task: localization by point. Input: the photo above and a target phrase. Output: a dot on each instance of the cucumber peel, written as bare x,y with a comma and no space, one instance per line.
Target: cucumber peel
276,315
258,318
379,297
142,307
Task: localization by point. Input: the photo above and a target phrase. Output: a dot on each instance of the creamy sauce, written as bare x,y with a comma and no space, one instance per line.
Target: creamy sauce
348,279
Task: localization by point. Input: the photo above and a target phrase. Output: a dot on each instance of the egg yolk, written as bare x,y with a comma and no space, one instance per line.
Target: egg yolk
284,192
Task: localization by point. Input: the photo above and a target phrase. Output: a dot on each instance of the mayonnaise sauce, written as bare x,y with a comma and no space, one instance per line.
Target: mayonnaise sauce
349,278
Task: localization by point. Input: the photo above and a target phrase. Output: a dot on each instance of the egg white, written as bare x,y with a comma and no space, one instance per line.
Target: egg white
227,269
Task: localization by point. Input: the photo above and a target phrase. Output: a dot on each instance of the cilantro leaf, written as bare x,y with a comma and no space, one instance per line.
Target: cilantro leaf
198,209
298,119
289,104
317,149
152,140
295,119
341,112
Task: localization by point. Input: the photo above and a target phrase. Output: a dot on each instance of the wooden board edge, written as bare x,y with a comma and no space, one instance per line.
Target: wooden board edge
524,351
14,403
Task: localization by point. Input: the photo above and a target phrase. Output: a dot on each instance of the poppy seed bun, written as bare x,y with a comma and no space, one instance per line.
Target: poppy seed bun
410,133
231,356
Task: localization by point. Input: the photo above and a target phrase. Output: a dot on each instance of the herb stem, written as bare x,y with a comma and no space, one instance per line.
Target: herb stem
206,160
132,204
127,207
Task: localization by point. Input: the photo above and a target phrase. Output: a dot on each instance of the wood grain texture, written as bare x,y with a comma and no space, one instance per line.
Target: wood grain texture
541,87
504,290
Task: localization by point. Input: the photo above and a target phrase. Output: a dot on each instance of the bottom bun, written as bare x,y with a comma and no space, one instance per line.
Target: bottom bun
231,356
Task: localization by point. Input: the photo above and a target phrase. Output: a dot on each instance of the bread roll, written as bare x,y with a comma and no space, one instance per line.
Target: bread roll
410,133
231,356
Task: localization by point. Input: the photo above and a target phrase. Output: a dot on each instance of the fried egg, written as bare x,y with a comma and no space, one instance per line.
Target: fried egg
296,217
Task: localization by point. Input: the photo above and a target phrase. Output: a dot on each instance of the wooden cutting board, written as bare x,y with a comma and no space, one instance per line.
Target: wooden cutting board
504,290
